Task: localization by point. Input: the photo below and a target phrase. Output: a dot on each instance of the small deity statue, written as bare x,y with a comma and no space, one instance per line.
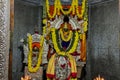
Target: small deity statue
35,54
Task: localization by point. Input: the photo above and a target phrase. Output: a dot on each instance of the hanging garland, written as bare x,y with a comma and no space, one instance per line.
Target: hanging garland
74,7
62,35
48,9
56,44
44,30
69,11
59,41
30,68
85,24
80,15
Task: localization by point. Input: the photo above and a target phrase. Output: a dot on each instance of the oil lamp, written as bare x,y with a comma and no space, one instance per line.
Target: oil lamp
99,78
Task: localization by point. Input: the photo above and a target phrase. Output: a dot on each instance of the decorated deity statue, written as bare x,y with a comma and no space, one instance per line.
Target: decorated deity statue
65,42
65,32
62,46
34,54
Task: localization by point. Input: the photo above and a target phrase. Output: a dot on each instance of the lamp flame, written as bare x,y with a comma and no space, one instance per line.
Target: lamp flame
26,77
99,78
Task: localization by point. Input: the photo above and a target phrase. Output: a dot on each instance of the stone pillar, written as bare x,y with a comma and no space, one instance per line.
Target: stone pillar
4,38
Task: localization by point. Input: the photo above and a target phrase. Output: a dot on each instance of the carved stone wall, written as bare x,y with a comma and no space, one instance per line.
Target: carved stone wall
4,39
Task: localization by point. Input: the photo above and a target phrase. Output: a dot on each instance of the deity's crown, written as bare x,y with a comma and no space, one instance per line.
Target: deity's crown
65,26
36,38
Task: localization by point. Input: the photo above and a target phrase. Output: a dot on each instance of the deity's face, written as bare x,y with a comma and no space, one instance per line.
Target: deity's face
65,30
48,24
35,48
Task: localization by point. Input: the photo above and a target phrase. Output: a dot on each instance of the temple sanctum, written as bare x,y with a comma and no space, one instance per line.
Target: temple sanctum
59,39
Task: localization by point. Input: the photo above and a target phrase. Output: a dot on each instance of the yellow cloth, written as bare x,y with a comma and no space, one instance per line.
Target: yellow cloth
73,66
51,67
74,79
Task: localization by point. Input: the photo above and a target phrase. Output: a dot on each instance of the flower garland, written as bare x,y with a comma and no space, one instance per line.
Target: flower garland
85,24
73,46
69,11
62,36
59,41
75,43
44,21
44,30
58,7
80,15
30,68
48,9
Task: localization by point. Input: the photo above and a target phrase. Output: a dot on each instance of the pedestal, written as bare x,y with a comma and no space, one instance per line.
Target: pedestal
35,76
80,65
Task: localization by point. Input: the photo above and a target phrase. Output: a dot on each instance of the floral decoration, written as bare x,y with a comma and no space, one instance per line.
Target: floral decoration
30,67
56,44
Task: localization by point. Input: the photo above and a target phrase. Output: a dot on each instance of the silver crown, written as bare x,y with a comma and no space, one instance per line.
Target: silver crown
35,38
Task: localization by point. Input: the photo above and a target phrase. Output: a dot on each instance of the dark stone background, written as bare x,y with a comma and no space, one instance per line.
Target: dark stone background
103,36
104,41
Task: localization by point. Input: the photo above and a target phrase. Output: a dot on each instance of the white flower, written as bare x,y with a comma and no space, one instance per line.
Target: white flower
22,40
28,34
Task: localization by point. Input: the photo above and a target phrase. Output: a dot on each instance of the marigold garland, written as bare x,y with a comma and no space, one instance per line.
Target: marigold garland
30,68
62,36
75,44
85,26
44,30
48,9
44,21
80,15
55,43
73,8
59,41
69,11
